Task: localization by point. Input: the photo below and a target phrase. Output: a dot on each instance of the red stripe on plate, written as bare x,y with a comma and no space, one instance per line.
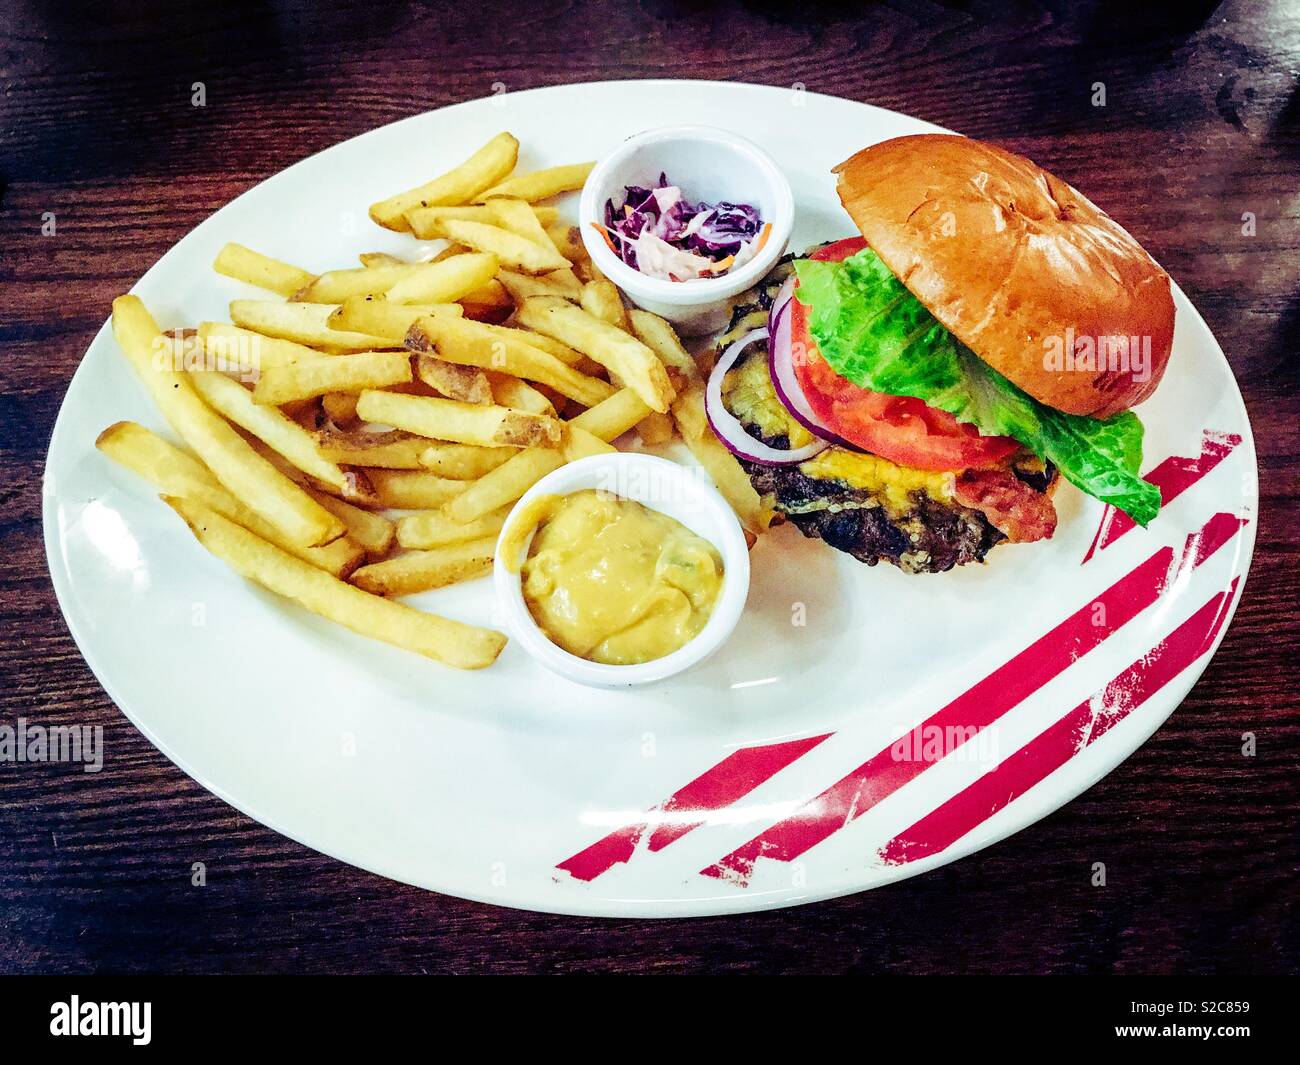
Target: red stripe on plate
976,708
1051,749
1173,477
715,789
1212,535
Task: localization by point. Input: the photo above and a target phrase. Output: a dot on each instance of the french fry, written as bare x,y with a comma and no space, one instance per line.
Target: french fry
269,425
340,408
448,250
373,532
519,217
509,248
587,270
433,528
447,641
413,489
468,384
461,423
357,488
506,351
567,355
185,351
335,286
606,421
392,450
541,184
463,462
482,170
505,484
419,571
254,268
177,473
375,316
445,281
303,323
613,417
491,303
720,464
514,392
567,239
662,339
423,221
245,474
655,429
601,298
230,347
491,296
345,373
521,286
380,258
580,444
567,282
619,352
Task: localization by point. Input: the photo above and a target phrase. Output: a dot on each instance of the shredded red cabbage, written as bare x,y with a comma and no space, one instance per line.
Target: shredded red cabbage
712,231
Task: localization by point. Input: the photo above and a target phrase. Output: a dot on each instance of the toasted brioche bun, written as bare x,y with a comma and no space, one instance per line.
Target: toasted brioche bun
1009,257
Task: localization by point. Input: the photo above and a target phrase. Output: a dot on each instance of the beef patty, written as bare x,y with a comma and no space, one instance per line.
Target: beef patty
928,537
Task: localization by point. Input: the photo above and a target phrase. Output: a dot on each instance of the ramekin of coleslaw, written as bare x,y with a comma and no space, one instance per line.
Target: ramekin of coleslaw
684,219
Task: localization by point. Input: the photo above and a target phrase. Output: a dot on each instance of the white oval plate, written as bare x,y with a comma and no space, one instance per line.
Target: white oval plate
805,760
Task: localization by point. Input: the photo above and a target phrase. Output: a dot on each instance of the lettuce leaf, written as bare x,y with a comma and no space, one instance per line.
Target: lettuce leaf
874,332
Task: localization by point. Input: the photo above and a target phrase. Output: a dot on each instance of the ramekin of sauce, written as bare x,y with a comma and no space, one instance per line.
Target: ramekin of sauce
622,569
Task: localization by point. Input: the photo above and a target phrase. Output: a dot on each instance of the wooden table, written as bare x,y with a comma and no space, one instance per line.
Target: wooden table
1199,128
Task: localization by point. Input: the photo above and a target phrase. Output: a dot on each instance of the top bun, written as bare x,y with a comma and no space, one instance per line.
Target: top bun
1019,266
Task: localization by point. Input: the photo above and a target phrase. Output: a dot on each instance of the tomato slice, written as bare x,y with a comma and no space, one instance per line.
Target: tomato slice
902,429
838,250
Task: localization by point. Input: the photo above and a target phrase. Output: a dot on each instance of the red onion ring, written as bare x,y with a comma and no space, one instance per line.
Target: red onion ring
780,302
727,427
780,365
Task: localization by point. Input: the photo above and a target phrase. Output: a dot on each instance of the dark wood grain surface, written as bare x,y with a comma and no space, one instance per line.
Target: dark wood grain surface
1199,128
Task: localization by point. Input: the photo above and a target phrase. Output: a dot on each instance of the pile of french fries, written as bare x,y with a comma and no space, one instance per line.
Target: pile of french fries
440,389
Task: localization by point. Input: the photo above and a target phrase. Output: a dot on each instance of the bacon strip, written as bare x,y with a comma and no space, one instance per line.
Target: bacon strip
1021,513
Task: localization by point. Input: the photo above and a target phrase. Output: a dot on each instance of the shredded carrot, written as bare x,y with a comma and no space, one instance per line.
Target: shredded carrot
762,237
604,233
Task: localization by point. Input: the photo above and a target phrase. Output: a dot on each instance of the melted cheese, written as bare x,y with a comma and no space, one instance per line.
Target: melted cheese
749,395
892,483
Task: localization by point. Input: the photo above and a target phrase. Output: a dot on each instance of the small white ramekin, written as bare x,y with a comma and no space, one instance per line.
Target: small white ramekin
709,165
680,492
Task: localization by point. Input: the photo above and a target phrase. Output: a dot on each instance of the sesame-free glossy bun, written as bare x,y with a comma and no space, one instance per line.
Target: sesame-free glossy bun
1015,263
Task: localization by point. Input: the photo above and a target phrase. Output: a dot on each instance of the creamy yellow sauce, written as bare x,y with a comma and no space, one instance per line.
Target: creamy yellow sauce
611,580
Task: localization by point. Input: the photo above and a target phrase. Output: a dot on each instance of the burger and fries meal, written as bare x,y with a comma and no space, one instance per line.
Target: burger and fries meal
913,394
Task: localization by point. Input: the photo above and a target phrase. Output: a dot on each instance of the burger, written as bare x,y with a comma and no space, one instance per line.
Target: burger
916,393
